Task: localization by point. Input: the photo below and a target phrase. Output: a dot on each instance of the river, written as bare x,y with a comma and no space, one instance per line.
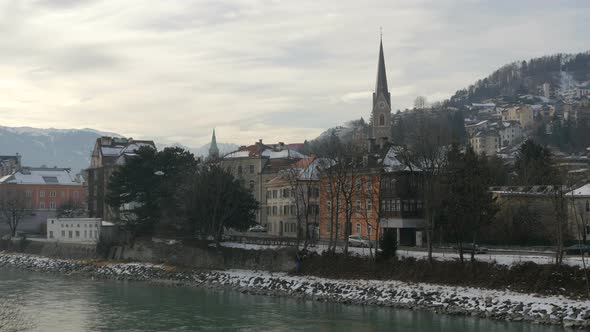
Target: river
48,303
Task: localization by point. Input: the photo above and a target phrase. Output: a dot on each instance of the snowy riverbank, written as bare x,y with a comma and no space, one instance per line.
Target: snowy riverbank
501,305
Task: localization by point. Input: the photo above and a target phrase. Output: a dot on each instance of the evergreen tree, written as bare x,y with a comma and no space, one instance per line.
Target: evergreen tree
533,165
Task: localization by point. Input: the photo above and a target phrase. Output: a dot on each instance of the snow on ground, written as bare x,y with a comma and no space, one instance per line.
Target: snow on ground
503,259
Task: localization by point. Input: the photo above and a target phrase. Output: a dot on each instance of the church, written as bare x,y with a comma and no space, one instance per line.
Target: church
379,131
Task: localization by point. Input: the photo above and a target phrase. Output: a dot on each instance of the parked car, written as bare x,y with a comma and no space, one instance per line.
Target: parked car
257,229
359,241
577,249
468,248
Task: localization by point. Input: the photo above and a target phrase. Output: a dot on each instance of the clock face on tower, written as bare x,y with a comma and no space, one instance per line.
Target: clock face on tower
381,105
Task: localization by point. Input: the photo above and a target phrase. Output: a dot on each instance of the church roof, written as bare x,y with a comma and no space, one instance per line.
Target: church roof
381,84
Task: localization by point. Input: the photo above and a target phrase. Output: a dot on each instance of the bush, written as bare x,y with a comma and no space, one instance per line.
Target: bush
388,245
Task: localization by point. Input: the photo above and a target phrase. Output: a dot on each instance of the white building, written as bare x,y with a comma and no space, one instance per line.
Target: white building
510,132
83,230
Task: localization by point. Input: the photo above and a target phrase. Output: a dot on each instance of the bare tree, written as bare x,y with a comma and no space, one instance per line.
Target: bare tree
425,155
581,231
371,195
420,102
13,207
304,184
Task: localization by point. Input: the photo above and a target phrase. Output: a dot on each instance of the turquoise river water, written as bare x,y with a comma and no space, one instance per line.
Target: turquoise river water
45,302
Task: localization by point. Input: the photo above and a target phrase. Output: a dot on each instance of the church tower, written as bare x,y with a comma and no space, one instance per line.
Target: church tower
213,149
380,124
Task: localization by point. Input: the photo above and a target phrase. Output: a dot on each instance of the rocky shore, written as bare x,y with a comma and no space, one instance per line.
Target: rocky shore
494,304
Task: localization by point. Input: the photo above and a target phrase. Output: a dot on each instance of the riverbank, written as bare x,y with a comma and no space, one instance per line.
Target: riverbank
499,305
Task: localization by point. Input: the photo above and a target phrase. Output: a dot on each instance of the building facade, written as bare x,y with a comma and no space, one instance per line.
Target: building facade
80,230
107,155
256,165
9,164
485,142
523,114
47,189
292,200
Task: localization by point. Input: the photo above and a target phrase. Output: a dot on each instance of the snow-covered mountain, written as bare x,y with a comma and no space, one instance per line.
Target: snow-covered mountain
50,147
561,71
68,147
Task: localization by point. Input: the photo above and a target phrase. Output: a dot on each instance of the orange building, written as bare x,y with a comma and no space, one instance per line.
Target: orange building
45,190
359,197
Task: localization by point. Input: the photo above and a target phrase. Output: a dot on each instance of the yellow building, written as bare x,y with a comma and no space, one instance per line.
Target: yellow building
523,114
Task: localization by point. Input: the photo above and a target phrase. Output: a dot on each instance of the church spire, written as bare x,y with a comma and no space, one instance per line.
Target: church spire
213,149
381,85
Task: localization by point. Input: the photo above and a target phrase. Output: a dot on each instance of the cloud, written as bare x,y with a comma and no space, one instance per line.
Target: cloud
281,71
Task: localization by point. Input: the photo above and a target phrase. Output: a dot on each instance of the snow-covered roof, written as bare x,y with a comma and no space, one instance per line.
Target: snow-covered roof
392,163
280,154
111,151
42,176
583,191
238,154
266,153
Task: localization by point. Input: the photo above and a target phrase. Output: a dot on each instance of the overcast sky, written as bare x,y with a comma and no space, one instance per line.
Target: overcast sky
277,70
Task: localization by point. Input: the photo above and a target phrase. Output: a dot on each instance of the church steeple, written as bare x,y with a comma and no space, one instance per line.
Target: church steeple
213,149
380,127
381,85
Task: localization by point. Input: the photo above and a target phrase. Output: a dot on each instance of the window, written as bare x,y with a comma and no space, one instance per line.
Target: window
293,211
51,234
369,184
52,205
274,194
63,233
240,170
52,222
70,234
77,233
52,194
359,184
268,210
369,204
28,193
329,205
274,210
358,228
251,185
358,206
251,169
587,206
85,234
285,210
41,205
76,194
369,231
42,193
382,120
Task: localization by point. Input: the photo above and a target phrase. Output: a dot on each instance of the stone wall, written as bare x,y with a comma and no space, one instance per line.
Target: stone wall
207,258
52,249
